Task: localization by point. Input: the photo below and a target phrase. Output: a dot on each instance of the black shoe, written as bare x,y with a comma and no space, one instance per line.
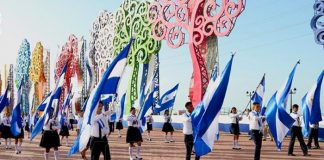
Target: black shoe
306,155
291,154
309,147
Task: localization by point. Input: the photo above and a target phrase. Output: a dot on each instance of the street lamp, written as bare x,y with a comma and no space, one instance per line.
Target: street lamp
292,91
250,94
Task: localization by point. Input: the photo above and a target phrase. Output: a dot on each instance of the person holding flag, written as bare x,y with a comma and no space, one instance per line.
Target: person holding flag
134,135
296,131
17,123
312,112
50,138
256,129
98,135
188,132
64,131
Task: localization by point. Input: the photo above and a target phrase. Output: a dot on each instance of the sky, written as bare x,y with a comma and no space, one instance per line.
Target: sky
270,36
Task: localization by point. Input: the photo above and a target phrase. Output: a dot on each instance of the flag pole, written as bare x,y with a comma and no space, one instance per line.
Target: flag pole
252,96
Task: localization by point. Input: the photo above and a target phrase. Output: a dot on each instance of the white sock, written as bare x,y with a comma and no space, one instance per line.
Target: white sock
56,155
138,152
119,133
67,141
6,142
10,142
166,138
234,144
45,156
16,147
171,137
237,144
131,152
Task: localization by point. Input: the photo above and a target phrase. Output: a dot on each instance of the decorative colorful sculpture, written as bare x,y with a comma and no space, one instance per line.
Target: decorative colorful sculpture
317,22
36,73
11,88
22,69
68,57
47,72
132,21
199,19
102,35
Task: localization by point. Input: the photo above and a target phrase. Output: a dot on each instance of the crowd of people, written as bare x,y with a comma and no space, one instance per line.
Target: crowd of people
104,125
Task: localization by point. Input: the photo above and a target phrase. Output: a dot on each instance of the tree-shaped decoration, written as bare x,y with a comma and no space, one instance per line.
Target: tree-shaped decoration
183,21
103,35
317,22
69,57
36,73
132,21
11,88
47,73
22,69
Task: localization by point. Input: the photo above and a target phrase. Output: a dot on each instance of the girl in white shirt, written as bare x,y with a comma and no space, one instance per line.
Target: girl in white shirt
167,127
6,132
235,127
50,138
149,126
133,134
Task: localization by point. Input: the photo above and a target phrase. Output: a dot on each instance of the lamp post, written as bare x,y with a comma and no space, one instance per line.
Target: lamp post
292,91
250,94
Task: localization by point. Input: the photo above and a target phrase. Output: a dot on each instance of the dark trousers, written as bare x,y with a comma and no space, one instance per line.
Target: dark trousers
98,146
257,139
71,124
296,132
313,133
111,126
188,139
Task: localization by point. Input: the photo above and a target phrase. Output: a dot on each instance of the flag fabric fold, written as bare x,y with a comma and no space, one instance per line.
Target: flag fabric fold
278,119
259,94
108,84
205,116
16,122
167,100
120,111
311,105
4,101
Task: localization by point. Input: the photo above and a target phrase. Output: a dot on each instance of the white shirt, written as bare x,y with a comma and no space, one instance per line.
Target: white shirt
187,124
110,117
94,131
235,118
316,126
71,116
132,121
6,121
80,120
297,119
54,123
167,118
149,119
255,121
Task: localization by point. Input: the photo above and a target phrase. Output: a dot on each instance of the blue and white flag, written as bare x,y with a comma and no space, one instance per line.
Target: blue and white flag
4,101
259,94
148,103
205,116
66,103
16,122
311,105
107,85
120,110
53,103
167,100
41,107
278,119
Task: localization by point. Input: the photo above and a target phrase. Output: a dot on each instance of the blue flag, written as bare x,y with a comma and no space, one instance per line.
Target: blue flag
167,100
205,116
311,105
122,107
4,101
278,119
107,85
259,94
16,123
